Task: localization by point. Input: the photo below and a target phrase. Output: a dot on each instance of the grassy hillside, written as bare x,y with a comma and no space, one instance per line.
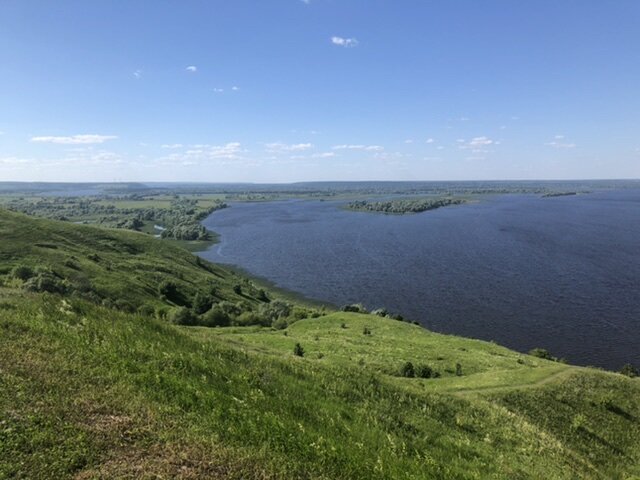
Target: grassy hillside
89,391
114,266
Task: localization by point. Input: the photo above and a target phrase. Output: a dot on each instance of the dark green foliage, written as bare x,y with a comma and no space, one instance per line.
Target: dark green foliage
424,371
45,282
262,296
355,307
629,370
183,316
408,370
366,331
251,318
237,288
404,206
458,370
22,272
274,310
543,353
216,317
201,303
298,350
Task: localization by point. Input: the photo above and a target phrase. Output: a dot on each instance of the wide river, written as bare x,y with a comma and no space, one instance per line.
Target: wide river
561,273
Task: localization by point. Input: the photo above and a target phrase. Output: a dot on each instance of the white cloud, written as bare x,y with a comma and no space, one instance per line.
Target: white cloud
367,148
408,140
344,42
172,145
480,142
430,140
277,147
203,153
218,90
323,155
192,69
558,142
235,89
476,144
137,74
74,139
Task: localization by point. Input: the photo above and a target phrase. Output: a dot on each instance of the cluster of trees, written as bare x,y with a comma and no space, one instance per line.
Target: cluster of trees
381,312
409,370
180,220
277,314
404,206
543,353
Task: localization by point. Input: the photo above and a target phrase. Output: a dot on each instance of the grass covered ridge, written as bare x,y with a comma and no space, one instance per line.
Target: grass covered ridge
90,391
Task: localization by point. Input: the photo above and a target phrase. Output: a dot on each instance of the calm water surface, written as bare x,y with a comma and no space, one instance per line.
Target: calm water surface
561,273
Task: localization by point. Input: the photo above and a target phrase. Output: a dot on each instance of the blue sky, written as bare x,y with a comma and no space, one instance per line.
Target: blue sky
291,90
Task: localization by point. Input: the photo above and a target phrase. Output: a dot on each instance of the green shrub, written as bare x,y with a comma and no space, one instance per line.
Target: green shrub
354,307
216,317
45,282
250,318
274,310
458,370
629,370
298,351
424,371
366,331
408,370
280,324
183,316
22,272
262,296
201,303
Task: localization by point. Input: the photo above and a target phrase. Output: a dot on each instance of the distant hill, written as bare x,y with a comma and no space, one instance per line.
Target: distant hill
95,383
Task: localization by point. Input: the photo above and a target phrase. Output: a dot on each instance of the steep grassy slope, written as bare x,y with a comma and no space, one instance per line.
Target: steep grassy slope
112,264
88,391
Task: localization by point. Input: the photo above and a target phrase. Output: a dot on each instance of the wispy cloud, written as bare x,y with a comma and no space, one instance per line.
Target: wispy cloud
235,89
137,74
367,148
172,145
218,90
344,42
204,153
476,144
279,147
74,139
191,69
430,140
559,142
324,155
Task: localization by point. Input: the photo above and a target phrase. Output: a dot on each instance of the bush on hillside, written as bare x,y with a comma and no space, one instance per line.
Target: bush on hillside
22,272
298,351
183,316
629,370
45,282
202,303
408,370
354,307
424,371
216,317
